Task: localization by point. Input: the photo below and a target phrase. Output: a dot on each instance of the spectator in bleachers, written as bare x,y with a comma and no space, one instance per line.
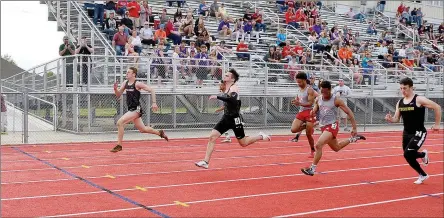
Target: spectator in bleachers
324,44
281,37
358,16
163,16
203,9
336,38
224,14
273,56
121,7
247,15
314,15
367,73
187,26
67,49
119,41
258,22
242,50
127,22
135,42
287,51
110,7
317,28
290,18
204,39
344,54
302,17
171,33
224,28
158,63
84,49
110,26
199,25
248,30
419,16
178,17
146,13
381,6
203,70
238,29
99,9
371,29
312,40
146,34
214,10
430,32
298,50
441,28
160,37
356,72
134,13
383,51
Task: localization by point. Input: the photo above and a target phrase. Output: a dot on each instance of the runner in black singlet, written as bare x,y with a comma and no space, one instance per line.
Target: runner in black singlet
231,119
412,110
135,112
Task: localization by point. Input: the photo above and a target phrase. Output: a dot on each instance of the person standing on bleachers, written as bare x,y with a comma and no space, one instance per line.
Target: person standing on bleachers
84,49
134,13
342,91
99,11
68,49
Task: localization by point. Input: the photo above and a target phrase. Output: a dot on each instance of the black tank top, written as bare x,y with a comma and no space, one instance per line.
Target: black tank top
132,95
412,116
231,109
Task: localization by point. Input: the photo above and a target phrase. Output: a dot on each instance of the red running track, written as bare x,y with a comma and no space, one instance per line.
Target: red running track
365,179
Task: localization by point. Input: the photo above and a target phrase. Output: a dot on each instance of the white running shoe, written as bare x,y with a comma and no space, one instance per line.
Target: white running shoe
202,164
425,159
265,137
421,179
228,139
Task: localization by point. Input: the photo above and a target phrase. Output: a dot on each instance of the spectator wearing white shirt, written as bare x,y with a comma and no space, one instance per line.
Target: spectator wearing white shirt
342,91
383,51
353,15
146,34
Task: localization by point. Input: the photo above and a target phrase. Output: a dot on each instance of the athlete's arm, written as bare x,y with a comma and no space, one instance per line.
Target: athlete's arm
339,103
421,100
119,91
232,96
315,107
396,118
311,98
145,87
220,109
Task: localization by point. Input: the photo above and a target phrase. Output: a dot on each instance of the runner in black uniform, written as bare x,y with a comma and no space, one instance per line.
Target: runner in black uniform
412,110
134,113
231,119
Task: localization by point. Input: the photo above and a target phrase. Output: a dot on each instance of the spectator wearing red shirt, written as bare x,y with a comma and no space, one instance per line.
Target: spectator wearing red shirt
257,17
286,50
242,47
290,18
298,50
121,7
119,41
134,13
171,34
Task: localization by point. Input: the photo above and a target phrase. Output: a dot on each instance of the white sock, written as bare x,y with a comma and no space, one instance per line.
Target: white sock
313,167
352,139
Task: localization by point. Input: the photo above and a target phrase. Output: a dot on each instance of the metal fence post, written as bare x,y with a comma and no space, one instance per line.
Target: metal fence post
265,98
25,116
365,112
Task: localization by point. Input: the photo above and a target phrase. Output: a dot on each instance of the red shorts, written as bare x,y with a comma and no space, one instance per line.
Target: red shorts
333,128
304,116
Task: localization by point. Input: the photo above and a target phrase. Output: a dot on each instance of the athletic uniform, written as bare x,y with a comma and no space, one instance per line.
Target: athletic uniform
414,133
231,118
327,115
304,112
133,98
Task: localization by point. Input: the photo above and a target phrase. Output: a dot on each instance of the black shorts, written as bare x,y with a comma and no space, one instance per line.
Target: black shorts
234,123
413,141
138,109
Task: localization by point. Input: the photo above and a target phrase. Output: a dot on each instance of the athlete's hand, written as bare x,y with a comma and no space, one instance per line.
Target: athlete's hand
435,127
155,107
115,85
354,132
389,117
213,97
312,113
296,101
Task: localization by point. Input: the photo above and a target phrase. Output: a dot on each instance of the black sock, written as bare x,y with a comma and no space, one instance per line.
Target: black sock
420,155
411,159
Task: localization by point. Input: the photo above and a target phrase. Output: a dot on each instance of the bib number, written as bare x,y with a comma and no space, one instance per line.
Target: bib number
237,121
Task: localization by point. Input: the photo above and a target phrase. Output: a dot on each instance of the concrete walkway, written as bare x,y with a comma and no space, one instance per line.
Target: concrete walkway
63,137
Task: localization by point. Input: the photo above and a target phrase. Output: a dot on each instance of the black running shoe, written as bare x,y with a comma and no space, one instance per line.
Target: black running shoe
163,135
296,138
116,149
360,137
307,171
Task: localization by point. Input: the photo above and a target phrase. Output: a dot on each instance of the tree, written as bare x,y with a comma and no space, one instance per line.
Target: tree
9,59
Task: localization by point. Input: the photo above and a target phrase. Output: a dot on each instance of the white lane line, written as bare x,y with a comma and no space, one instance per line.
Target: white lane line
359,205
243,196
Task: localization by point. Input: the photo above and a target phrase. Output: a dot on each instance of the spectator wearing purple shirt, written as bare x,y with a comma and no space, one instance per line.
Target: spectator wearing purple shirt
224,27
203,70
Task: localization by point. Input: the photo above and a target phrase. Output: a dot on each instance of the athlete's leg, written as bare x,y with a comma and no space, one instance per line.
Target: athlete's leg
411,154
297,126
309,131
323,139
126,118
244,142
218,130
138,123
210,146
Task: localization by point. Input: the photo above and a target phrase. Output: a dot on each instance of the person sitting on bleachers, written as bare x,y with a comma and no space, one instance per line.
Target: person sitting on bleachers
171,33
146,34
258,23
247,15
298,51
224,28
187,26
121,7
314,15
248,30
160,37
367,73
242,51
202,70
287,51
324,43
119,41
203,9
163,16
281,37
290,18
110,7
238,29
371,29
344,54
204,38
110,26
135,42
302,17
383,51
127,22
317,28
214,10
224,14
